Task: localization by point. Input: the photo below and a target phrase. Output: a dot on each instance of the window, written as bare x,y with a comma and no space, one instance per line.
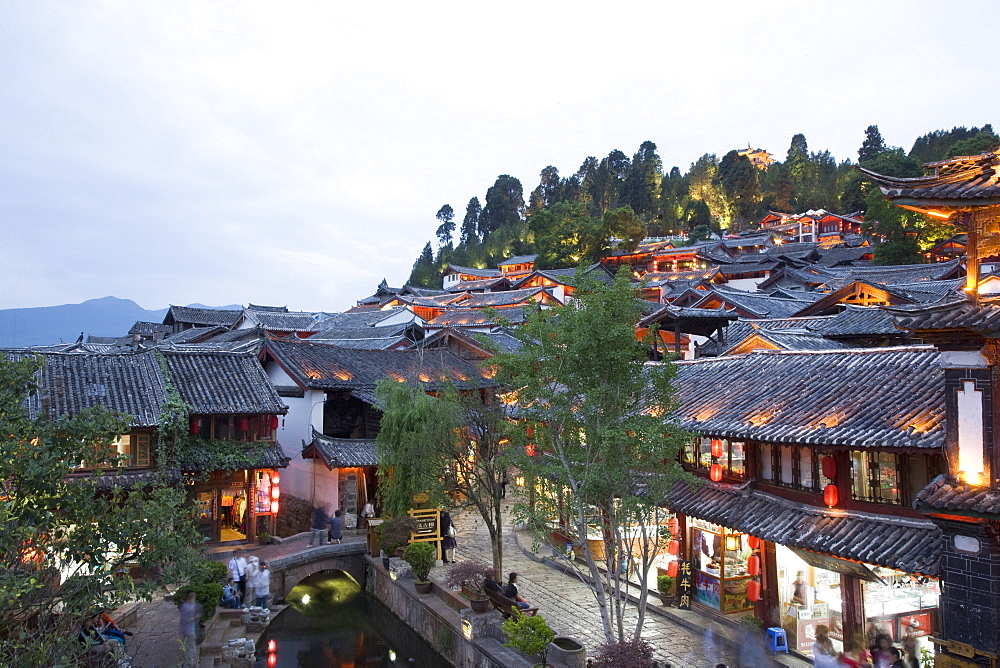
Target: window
733,459
766,463
789,466
807,473
875,477
737,458
787,474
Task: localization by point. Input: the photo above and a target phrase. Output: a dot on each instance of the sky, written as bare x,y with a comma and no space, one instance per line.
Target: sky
295,153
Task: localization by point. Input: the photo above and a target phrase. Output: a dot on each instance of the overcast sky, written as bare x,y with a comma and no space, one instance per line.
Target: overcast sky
295,154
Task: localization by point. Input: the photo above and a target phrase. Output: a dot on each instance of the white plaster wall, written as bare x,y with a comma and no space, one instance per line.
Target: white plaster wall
403,317
970,432
748,284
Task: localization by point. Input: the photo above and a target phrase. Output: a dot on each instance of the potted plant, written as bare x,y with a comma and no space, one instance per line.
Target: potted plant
394,534
420,556
264,538
530,635
472,577
667,587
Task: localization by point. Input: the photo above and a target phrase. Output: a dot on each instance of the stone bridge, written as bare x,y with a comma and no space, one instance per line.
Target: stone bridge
289,570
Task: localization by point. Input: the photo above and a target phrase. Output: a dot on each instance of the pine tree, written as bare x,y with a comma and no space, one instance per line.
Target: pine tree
470,224
872,146
447,217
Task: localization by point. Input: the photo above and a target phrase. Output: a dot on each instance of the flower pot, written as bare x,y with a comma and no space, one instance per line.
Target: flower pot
479,604
568,651
422,586
667,600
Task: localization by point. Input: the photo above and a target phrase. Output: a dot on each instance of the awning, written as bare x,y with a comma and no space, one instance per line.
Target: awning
341,452
836,565
903,544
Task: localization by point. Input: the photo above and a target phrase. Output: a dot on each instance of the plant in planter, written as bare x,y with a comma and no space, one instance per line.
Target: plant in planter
627,654
530,635
264,538
472,577
667,586
420,556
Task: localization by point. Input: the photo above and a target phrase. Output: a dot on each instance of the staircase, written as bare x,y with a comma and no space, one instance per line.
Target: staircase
224,626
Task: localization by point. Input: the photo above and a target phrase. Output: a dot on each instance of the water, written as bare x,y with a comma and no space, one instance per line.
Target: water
330,621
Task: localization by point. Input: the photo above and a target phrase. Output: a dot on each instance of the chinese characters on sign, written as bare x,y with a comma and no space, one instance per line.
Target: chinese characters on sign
684,585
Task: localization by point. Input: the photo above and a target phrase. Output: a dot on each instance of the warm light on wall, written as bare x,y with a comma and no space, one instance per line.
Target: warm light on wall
519,481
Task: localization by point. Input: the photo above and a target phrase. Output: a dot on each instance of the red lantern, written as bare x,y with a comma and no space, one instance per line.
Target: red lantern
195,426
275,492
674,525
673,548
753,565
830,467
715,473
753,591
275,478
272,645
530,450
272,660
274,422
753,542
530,431
831,495
242,424
716,448
672,569
274,507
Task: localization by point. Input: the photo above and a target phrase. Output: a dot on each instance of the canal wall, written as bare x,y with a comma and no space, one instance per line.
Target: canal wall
441,625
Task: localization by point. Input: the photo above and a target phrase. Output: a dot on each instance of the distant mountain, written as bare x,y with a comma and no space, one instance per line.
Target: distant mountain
108,316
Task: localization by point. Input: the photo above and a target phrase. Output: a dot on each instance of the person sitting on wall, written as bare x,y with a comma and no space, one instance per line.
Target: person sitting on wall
510,591
230,595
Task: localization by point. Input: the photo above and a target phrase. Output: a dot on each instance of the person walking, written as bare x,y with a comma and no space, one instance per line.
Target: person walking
318,527
238,571
253,572
448,542
190,615
336,526
263,585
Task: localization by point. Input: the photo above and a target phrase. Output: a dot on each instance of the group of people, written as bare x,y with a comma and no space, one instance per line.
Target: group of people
100,634
249,582
327,528
876,651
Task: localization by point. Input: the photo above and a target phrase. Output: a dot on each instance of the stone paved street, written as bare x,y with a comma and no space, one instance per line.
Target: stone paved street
570,607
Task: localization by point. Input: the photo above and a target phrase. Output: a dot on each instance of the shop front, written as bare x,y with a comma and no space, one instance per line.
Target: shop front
719,557
236,505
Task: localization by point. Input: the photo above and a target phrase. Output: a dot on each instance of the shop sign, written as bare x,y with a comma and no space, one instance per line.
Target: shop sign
836,565
917,625
707,526
427,522
949,661
961,648
684,585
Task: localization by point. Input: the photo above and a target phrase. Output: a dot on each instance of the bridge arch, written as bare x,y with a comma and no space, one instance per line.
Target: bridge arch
289,570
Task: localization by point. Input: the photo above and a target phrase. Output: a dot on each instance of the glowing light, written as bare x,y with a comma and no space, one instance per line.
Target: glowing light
272,645
831,495
272,660
275,478
519,481
275,492
715,473
305,601
392,655
274,507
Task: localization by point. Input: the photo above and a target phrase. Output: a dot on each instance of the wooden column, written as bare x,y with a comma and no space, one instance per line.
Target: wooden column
853,606
769,606
972,255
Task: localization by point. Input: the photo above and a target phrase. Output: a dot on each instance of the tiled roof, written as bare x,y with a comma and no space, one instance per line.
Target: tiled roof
149,328
218,383
735,269
271,319
876,397
832,257
970,178
195,334
319,366
518,259
110,340
757,304
342,452
983,318
472,271
467,317
368,318
744,327
947,495
508,298
421,292
271,457
860,321
782,340
129,383
502,340
498,282
201,316
377,331
894,275
908,545
742,242
373,343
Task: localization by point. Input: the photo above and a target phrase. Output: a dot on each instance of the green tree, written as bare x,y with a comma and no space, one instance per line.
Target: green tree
797,158
622,223
938,145
593,437
470,224
67,547
452,442
641,188
425,272
739,181
872,145
446,215
702,186
905,233
981,142
565,235
504,206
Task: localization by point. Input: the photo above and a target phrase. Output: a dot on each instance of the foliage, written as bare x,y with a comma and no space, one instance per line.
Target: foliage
447,217
425,272
739,182
394,533
420,556
425,445
208,595
940,144
565,235
472,575
982,142
197,454
906,233
665,584
872,146
172,422
264,538
209,571
530,635
636,653
65,545
504,206
601,451
470,223
752,622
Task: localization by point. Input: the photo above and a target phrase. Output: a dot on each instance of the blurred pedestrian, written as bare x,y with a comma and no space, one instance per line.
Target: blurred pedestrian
263,585
190,616
448,542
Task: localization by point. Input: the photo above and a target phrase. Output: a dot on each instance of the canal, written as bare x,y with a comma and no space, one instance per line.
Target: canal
331,621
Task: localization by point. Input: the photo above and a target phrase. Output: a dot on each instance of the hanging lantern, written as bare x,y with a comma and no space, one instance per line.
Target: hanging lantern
715,473
716,448
275,478
830,467
753,542
753,565
732,542
243,424
674,525
274,507
530,450
530,431
753,591
672,569
195,425
274,422
673,548
275,492
830,495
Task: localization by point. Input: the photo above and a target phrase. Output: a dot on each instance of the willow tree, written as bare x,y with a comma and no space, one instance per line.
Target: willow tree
595,439
450,446
68,544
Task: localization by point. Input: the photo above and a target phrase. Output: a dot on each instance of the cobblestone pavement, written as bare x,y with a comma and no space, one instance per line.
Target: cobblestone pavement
569,605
